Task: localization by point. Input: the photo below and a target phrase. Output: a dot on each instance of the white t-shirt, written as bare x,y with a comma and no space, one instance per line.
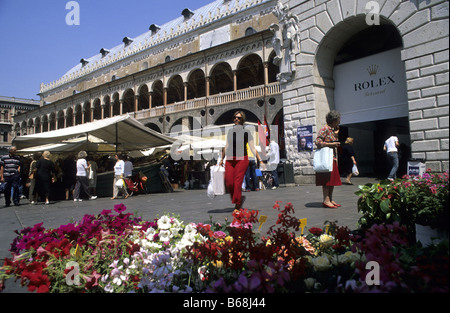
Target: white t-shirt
81,167
119,167
390,144
274,153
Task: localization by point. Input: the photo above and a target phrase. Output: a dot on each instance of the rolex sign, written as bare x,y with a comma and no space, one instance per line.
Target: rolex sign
371,88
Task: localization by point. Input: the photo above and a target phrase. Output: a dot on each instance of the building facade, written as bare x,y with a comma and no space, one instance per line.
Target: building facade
382,64
10,108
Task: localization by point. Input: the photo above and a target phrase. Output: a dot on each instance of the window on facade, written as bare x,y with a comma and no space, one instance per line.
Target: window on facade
249,31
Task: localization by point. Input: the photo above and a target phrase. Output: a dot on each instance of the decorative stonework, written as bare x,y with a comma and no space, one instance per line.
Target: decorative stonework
285,41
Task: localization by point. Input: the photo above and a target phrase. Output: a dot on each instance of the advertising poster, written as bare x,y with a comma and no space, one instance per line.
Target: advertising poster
305,138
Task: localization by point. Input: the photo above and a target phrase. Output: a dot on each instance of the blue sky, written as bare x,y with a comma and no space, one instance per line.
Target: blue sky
37,46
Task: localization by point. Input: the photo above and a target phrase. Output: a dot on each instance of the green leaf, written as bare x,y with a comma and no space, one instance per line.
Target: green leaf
384,205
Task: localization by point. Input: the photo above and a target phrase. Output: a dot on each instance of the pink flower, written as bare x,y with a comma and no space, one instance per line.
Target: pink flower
219,234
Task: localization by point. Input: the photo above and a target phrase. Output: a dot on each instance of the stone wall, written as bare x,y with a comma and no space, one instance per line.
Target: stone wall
326,25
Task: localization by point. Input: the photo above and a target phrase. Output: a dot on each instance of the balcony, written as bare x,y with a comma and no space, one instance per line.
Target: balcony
211,101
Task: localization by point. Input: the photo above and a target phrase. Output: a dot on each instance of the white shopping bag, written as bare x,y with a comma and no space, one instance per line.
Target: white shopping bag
323,160
216,185
355,170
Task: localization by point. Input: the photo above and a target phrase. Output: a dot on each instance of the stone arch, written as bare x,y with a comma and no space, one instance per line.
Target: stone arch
86,112
273,69
30,123
157,94
154,127
325,57
52,121
175,89
69,117
250,71
221,78
37,125
196,84
44,123
60,120
97,110
78,112
115,104
143,97
106,106
128,101
23,127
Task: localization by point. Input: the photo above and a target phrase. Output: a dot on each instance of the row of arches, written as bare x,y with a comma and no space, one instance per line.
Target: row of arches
251,71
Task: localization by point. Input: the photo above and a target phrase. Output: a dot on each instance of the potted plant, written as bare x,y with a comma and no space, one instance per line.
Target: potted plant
411,201
431,206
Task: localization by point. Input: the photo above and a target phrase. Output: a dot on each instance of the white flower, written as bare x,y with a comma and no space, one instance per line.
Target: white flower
174,231
164,235
176,223
326,240
190,229
109,288
117,281
309,282
149,233
164,222
321,263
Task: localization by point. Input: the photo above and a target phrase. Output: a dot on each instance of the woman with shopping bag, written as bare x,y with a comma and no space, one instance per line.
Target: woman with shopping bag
237,158
119,183
328,137
348,157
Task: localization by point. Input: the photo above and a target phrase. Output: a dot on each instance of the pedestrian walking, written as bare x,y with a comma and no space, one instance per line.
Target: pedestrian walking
69,175
237,158
119,171
391,146
10,174
92,178
251,180
45,176
128,170
328,137
32,195
348,159
274,159
82,178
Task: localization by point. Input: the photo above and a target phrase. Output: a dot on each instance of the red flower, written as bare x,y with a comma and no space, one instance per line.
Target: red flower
37,279
316,231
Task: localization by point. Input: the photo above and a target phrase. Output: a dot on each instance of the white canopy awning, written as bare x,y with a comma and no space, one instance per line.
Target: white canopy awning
123,132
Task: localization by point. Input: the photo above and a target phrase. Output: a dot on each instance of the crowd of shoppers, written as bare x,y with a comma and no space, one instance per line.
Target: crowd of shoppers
45,179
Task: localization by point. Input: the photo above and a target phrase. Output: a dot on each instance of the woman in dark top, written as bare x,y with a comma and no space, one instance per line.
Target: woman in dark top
237,159
45,175
348,156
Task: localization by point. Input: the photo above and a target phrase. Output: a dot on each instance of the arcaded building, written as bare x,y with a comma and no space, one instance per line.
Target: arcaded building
382,64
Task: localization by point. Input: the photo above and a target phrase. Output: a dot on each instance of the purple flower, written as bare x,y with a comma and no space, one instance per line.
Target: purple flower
119,208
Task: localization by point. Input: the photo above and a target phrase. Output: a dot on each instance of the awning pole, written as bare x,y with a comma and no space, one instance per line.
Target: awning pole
117,137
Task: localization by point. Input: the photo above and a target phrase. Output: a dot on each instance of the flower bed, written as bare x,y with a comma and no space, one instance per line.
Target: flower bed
119,252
